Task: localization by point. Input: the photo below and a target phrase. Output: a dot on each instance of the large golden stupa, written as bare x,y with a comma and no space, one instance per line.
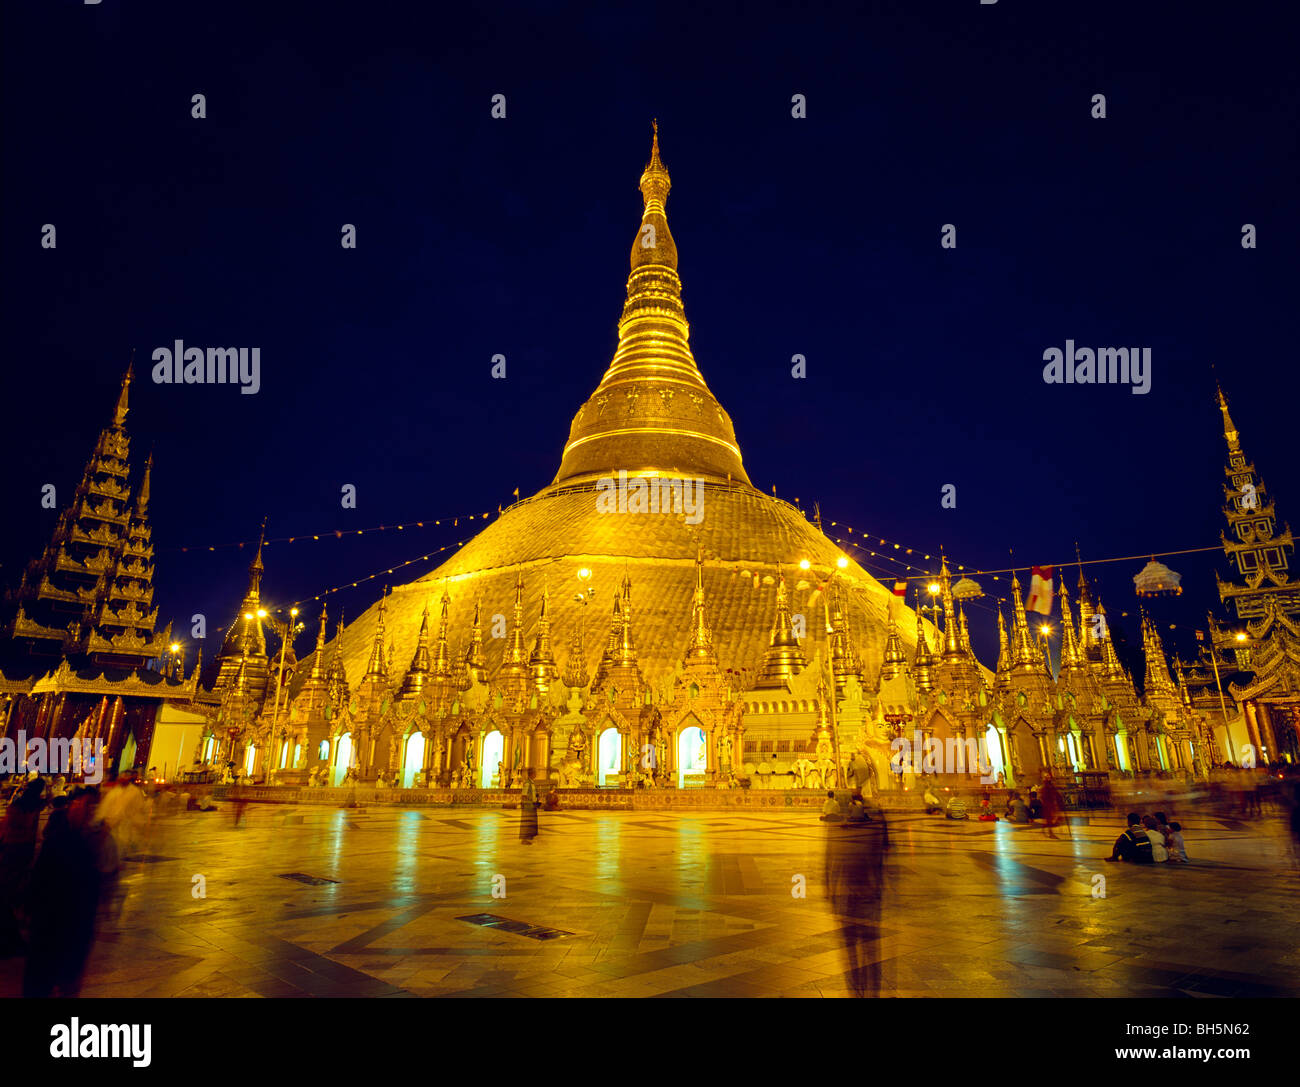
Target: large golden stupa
653,418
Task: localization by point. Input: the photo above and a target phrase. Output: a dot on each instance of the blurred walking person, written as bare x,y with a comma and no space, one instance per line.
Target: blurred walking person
1053,808
17,851
62,900
528,812
855,857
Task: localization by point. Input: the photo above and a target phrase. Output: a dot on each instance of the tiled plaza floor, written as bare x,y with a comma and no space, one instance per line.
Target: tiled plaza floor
685,905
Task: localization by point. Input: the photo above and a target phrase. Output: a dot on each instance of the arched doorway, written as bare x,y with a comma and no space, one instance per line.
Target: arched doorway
494,745
342,757
414,761
692,753
609,755
994,758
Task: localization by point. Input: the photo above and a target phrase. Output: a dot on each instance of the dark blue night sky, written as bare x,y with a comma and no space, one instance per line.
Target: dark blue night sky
818,236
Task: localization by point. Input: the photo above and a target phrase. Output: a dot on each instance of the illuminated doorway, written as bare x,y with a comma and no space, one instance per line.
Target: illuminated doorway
692,754
494,746
414,762
993,747
207,749
610,755
342,757
250,760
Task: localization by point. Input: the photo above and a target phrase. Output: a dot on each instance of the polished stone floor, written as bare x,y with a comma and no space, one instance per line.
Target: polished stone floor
684,905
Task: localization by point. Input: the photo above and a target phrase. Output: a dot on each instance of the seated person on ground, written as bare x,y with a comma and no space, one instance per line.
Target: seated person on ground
831,812
1133,845
1159,853
1177,847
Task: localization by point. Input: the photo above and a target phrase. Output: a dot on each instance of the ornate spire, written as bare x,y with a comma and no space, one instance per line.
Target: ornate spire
1110,659
652,409
701,644
952,648
377,668
441,667
475,660
1071,659
1230,432
783,658
1004,648
924,663
119,413
1025,654
516,654
318,659
542,661
895,660
626,656
417,675
1159,685
142,494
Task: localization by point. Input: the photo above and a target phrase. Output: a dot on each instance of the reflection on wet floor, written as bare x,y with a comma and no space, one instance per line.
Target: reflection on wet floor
688,904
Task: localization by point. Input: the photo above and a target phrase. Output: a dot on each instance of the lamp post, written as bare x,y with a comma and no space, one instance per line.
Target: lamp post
1223,705
286,632
840,563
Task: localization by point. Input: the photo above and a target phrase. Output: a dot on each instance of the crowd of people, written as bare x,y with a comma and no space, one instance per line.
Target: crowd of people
57,883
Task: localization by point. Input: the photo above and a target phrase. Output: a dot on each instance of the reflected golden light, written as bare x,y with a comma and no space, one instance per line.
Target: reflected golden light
584,574
804,564
1241,637
841,562
934,588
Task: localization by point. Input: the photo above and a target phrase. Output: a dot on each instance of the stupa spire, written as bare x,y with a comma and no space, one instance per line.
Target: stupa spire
377,666
895,659
701,644
542,661
1071,659
924,663
1025,653
652,409
475,661
784,658
441,666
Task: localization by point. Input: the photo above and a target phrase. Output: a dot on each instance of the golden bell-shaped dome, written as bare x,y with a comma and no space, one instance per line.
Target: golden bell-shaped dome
652,411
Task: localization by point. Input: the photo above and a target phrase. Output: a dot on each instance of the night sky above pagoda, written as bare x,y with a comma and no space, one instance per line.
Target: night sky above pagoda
816,236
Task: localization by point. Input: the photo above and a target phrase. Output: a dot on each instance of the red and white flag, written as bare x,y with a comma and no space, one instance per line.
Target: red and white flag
1040,591
900,588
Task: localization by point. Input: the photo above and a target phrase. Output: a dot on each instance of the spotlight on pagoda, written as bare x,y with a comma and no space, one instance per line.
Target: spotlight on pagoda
967,589
1156,579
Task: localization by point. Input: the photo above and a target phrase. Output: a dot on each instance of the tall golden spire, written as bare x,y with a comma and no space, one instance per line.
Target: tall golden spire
626,655
377,666
1110,659
318,660
783,658
701,644
441,666
516,654
952,649
119,412
542,661
924,663
1025,654
1004,647
895,659
1230,431
475,660
652,409
1071,659
417,674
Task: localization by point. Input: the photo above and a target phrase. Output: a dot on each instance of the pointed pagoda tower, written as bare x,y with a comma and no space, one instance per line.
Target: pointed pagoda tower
245,642
89,595
1260,555
784,658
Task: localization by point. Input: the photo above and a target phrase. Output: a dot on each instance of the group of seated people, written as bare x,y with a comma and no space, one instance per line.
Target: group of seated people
1149,839
833,811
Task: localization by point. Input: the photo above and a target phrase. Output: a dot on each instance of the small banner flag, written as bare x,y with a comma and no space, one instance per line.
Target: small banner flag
1200,635
900,588
1040,591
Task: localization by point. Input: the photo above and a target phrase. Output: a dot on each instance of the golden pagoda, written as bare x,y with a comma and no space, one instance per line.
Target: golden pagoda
652,422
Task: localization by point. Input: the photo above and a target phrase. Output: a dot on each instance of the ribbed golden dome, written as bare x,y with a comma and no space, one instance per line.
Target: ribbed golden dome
652,410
